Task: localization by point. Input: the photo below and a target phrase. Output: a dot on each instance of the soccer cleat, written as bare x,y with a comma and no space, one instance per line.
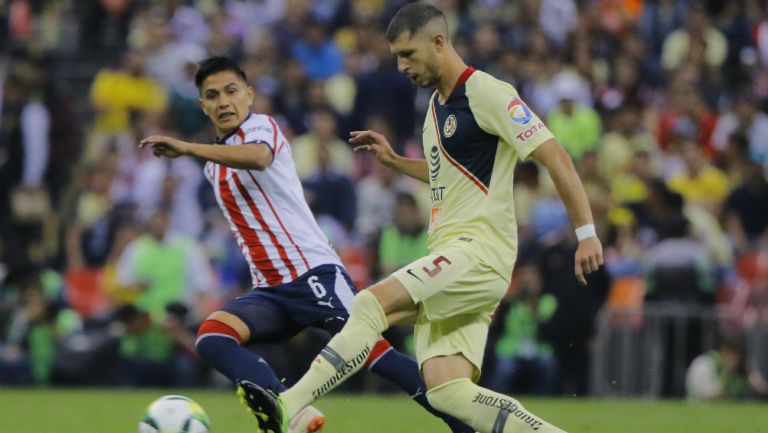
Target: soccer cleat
265,405
308,420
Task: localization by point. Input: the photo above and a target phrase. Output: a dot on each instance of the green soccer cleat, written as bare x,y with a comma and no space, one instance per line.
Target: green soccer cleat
265,405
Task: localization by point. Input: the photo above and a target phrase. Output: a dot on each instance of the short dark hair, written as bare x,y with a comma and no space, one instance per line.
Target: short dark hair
213,65
413,17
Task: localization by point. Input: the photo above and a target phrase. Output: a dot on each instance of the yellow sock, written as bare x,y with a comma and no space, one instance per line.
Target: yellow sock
485,410
344,355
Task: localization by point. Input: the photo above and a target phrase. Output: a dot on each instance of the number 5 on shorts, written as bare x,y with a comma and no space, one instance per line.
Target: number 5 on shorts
438,266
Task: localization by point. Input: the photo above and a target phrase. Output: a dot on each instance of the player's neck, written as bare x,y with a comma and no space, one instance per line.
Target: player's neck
222,134
452,69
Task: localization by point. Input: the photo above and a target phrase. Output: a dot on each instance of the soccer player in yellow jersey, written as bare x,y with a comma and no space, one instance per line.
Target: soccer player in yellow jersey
475,131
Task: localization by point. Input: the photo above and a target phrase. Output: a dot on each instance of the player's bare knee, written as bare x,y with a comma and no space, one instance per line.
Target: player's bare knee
440,370
434,379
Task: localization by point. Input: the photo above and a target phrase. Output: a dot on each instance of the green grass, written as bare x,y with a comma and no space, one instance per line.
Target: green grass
118,411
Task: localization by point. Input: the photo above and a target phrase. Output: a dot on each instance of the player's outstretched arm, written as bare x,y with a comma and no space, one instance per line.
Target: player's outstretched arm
377,144
589,254
250,157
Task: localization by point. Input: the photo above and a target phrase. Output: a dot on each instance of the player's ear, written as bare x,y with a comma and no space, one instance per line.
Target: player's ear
250,93
202,106
439,40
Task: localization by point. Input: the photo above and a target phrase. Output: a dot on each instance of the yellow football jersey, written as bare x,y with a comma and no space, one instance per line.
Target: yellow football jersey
472,143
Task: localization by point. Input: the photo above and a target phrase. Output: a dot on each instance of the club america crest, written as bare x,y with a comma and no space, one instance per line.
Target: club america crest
450,126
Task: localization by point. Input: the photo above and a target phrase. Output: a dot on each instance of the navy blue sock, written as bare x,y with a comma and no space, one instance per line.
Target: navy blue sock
404,372
236,362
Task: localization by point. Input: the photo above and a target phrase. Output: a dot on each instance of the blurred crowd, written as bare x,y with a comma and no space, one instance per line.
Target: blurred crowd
109,256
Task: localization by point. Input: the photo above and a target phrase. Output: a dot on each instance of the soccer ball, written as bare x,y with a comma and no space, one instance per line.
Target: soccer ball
174,414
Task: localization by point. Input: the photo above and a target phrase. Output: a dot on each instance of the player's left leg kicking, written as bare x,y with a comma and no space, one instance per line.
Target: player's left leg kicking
325,303
251,318
450,336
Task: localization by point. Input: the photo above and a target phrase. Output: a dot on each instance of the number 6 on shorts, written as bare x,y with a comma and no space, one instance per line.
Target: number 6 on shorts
317,287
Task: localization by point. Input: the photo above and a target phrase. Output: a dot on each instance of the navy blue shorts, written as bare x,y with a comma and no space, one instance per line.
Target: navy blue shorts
319,298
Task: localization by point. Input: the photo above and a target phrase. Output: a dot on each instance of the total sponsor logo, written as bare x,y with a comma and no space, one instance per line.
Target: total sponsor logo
528,133
518,111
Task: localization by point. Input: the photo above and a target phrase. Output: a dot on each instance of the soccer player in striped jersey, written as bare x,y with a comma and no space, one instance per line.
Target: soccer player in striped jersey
475,131
298,279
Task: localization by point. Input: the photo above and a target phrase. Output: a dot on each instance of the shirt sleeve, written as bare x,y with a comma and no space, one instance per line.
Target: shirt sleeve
261,129
500,111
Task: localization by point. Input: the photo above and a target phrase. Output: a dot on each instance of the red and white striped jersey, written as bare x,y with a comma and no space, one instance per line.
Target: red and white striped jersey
266,210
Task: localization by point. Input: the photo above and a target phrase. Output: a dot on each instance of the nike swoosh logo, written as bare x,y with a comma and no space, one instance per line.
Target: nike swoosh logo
410,271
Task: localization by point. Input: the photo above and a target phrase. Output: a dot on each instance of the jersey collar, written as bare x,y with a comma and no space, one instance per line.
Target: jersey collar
462,79
224,139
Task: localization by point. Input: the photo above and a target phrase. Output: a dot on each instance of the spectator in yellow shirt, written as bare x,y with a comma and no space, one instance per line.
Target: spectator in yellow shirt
618,146
117,95
700,42
322,132
699,182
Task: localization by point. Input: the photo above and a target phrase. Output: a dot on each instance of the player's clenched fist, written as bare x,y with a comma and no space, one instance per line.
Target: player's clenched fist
162,145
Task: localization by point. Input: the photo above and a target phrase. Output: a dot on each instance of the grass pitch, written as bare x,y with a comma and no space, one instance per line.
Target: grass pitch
118,411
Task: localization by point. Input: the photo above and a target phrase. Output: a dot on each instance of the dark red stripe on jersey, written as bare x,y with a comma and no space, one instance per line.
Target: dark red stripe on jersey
379,349
256,249
453,162
279,221
462,79
263,223
274,134
240,134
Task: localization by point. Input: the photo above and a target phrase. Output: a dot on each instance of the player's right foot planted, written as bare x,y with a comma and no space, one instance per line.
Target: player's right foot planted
265,405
